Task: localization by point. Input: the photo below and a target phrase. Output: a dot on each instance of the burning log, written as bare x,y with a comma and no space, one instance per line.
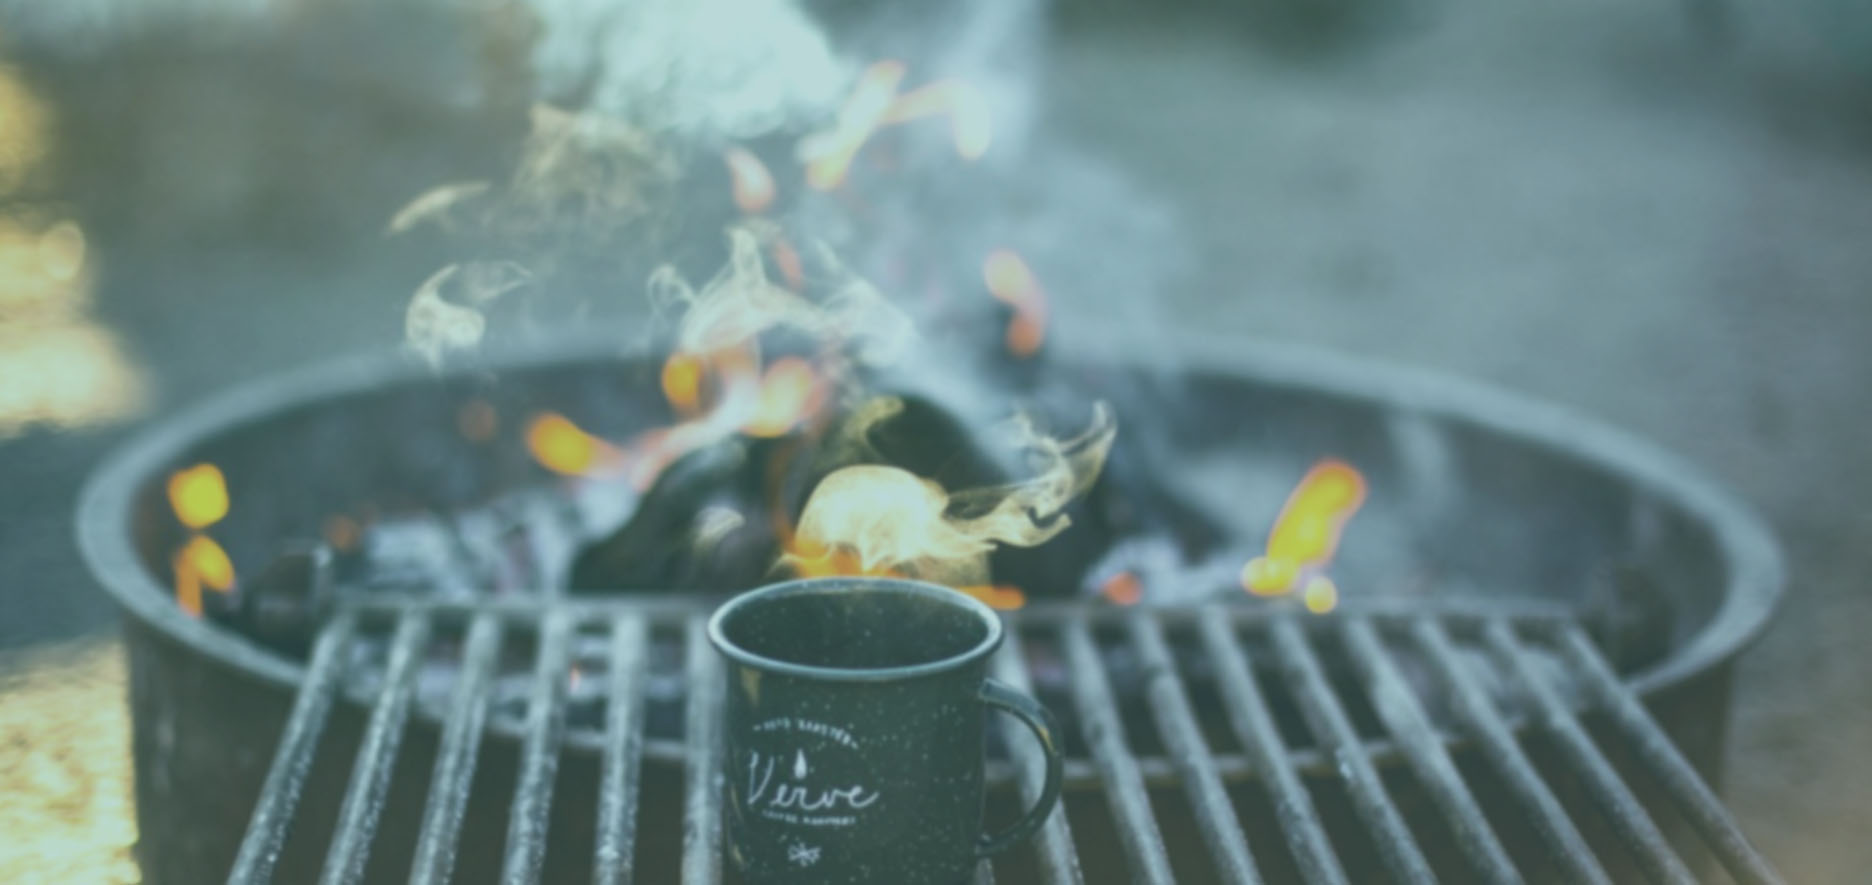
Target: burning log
697,527
284,603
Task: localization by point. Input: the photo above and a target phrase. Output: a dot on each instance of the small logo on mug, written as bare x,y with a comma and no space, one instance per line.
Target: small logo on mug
794,790
801,854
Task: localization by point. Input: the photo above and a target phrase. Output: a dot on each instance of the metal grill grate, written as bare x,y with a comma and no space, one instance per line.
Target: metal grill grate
1367,685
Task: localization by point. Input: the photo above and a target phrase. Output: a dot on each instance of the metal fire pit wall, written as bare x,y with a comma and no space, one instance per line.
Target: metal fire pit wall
1476,494
1546,656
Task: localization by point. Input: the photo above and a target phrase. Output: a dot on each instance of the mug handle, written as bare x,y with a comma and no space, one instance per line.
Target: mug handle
1040,722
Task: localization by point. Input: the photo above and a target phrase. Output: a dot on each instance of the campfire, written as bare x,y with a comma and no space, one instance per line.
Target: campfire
810,425
1300,617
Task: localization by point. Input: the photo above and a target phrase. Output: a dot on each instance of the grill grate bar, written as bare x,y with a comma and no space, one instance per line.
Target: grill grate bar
1125,791
623,754
1334,730
376,756
702,813
279,796
456,755
1424,751
1189,752
1662,758
1628,818
539,755
1550,667
1248,713
1476,712
1059,861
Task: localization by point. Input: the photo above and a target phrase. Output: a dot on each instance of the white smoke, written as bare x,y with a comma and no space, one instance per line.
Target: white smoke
708,70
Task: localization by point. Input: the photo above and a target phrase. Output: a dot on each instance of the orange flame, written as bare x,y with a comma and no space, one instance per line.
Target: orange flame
788,394
343,533
198,495
560,446
1000,597
824,563
874,104
1123,588
814,560
753,184
787,260
969,121
1012,282
1307,534
201,563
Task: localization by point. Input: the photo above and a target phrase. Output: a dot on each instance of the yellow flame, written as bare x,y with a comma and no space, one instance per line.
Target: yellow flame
201,563
682,382
1013,283
211,563
787,394
198,495
753,184
1321,595
1266,576
1307,532
874,519
562,447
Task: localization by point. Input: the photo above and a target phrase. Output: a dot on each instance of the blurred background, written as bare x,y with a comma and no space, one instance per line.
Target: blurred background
1658,213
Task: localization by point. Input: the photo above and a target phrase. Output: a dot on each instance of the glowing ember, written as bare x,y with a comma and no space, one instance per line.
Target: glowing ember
787,394
1000,597
477,420
1123,588
560,446
343,533
198,495
874,104
682,382
753,184
1012,282
1307,533
201,563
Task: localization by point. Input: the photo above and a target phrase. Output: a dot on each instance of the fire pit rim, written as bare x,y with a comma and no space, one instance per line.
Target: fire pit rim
1752,560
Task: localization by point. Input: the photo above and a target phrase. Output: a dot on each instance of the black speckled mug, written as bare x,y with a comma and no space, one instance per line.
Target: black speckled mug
854,732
